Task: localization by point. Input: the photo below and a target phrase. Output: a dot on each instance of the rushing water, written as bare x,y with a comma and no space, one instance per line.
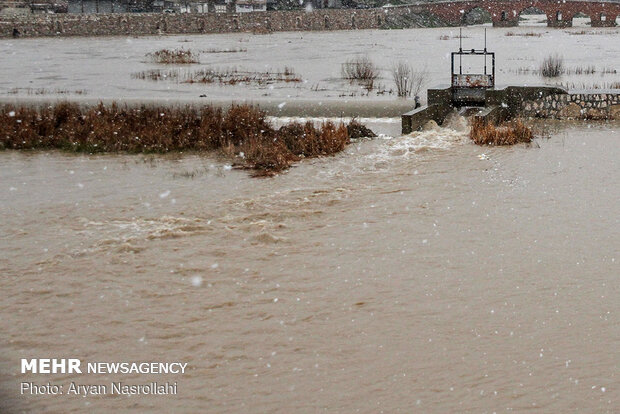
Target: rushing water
415,273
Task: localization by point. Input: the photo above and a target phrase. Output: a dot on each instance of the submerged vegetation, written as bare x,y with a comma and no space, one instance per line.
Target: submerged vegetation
241,133
226,76
360,69
408,80
173,56
512,132
526,34
552,66
584,85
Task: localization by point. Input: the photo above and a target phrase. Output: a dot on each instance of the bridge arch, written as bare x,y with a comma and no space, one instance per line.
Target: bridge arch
533,16
581,19
556,13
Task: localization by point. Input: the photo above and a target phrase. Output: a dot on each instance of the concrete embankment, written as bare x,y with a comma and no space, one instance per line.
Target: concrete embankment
520,101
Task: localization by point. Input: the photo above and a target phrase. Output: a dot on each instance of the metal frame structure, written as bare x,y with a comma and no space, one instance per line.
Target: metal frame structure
467,88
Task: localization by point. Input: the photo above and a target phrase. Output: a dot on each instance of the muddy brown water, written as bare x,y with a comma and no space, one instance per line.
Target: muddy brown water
412,274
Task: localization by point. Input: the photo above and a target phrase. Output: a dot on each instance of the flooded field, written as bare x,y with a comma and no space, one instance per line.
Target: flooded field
103,67
416,273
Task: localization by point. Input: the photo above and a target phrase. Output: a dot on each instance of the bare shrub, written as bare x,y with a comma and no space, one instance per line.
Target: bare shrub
407,79
511,132
361,69
552,66
358,130
173,56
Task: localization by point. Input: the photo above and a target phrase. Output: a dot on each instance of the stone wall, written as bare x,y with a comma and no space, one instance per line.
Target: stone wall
503,13
588,105
158,23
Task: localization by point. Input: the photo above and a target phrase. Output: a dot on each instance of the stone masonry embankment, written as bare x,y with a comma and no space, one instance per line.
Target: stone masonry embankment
158,23
585,105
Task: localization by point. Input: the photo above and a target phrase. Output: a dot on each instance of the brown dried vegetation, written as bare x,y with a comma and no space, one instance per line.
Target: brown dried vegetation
227,76
173,56
508,133
242,132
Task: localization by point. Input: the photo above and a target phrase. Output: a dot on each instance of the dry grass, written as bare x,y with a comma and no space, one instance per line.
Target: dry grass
242,132
173,56
552,66
526,34
226,76
508,133
590,70
44,91
586,86
578,70
446,37
231,50
157,74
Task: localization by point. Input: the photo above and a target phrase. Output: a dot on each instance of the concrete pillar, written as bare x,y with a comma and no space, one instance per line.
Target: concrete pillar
610,20
559,23
558,18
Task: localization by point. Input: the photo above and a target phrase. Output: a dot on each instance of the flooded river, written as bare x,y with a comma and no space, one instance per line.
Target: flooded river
415,273
412,274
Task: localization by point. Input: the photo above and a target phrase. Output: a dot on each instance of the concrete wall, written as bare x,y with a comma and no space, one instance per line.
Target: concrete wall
524,101
589,105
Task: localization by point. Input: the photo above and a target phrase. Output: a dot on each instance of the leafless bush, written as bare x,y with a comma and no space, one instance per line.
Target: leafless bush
552,66
407,79
361,69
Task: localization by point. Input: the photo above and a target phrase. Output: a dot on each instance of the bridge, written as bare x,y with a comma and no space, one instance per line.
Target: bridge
506,13
503,13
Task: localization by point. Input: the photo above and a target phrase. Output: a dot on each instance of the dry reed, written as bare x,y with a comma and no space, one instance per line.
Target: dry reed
241,132
226,76
552,66
173,56
511,132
